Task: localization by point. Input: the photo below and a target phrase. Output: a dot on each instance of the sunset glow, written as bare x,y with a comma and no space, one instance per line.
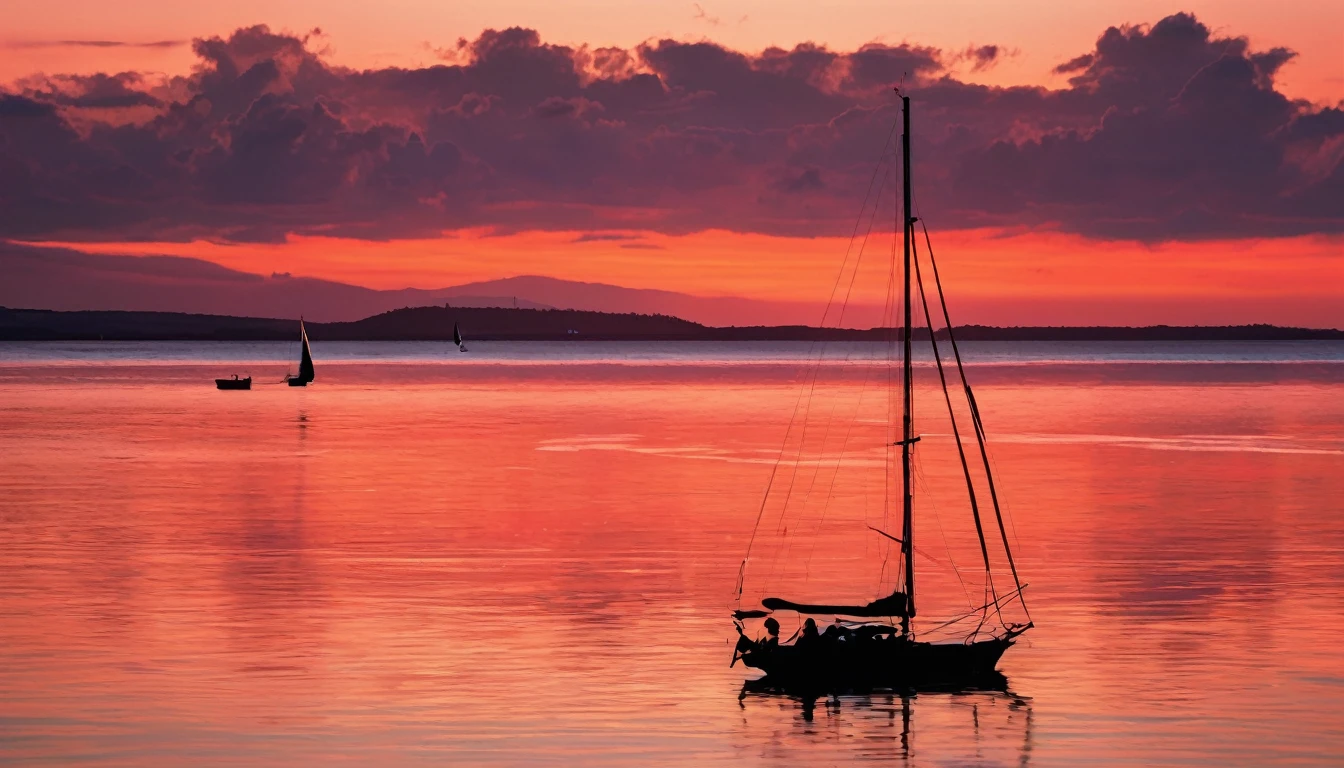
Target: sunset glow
713,383
1098,165
1030,278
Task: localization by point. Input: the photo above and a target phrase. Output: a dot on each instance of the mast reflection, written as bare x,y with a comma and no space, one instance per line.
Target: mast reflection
982,726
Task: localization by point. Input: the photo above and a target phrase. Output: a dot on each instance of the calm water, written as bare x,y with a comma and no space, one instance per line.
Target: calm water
527,554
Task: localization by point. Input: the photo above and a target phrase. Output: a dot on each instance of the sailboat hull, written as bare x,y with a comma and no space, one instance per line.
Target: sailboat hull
297,383
879,663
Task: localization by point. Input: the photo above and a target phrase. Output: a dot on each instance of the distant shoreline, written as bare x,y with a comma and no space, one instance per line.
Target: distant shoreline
507,324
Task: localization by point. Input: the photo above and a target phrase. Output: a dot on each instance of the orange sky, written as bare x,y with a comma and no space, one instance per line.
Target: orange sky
1041,33
993,276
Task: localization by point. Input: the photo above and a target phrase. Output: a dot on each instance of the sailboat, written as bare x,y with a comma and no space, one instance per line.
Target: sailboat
877,643
457,339
306,373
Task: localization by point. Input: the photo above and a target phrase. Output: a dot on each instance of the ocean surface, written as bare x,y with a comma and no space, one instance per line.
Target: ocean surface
527,554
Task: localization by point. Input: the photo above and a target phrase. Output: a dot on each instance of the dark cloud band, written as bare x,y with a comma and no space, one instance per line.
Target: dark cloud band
1163,132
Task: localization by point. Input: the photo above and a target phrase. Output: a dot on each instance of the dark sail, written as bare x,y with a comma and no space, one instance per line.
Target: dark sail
457,335
306,373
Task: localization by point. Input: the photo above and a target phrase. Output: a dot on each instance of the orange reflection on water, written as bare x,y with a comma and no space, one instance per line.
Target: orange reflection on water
515,564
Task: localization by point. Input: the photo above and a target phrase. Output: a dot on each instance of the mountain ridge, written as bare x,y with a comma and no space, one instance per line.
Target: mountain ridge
67,279
436,323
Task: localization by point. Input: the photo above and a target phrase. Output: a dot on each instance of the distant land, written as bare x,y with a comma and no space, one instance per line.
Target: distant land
65,279
69,279
508,324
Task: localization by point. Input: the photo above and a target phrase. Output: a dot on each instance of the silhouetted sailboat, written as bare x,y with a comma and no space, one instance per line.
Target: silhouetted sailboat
457,339
873,644
306,372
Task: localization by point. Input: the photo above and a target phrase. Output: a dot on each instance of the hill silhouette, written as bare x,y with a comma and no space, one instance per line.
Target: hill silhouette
497,323
66,279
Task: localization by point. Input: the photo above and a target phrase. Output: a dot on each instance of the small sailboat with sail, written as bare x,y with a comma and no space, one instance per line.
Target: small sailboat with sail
457,339
306,372
877,643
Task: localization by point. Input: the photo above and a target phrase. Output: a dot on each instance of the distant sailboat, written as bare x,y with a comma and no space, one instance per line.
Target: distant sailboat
457,339
306,373
234,383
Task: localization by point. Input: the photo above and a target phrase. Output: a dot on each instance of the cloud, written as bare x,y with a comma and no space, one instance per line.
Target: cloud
804,180
983,57
598,237
96,44
1162,132
1192,141
97,91
700,15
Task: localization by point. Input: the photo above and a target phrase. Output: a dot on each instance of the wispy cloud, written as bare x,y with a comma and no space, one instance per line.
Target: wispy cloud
700,15
95,44
982,57
601,237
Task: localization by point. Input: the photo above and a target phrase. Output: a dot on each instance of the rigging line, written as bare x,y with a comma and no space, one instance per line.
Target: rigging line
798,458
816,470
980,431
816,368
816,374
797,404
825,436
888,318
826,433
956,431
918,551
858,221
839,459
974,611
817,465
1007,507
975,416
938,518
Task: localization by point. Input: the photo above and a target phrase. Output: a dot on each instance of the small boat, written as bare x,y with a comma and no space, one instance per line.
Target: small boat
306,373
874,644
457,339
234,383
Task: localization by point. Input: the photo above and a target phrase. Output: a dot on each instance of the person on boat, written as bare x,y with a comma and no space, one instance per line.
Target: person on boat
748,649
837,632
771,639
809,638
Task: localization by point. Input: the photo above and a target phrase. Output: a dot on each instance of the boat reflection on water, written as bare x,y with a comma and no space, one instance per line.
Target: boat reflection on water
981,726
990,682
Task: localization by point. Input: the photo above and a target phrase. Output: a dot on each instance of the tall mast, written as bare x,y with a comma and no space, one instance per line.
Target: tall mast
907,404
